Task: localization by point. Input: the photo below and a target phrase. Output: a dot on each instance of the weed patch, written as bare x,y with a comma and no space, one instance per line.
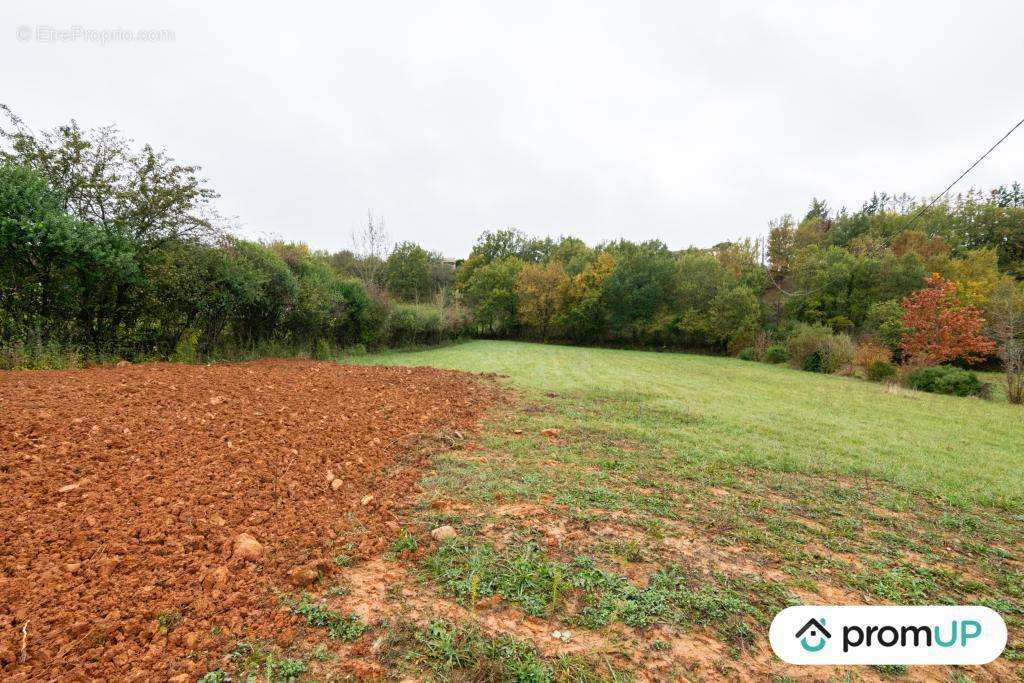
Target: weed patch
338,626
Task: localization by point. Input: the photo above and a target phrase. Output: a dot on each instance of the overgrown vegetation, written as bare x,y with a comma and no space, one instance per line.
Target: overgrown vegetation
108,251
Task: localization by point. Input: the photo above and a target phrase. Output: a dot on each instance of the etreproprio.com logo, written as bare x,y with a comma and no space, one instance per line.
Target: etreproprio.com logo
887,635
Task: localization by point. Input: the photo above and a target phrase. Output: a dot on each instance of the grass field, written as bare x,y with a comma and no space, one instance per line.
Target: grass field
682,500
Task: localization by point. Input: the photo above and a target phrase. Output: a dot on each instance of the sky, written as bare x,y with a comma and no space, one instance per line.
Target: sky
691,123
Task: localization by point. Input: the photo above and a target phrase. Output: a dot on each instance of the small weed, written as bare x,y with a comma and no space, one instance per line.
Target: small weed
891,670
337,591
525,576
405,543
257,661
168,621
340,627
320,653
344,558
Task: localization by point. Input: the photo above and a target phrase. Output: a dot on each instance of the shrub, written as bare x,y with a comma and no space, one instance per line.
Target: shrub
868,353
762,341
413,324
880,371
946,379
747,354
805,341
837,353
776,354
816,349
813,363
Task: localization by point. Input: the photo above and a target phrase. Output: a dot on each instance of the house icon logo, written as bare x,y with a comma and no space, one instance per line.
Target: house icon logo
816,632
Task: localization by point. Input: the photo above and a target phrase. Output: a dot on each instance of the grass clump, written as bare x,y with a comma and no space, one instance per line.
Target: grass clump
255,661
525,576
405,543
340,627
452,651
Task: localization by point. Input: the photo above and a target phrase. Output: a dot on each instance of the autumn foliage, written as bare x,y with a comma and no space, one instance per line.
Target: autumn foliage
940,328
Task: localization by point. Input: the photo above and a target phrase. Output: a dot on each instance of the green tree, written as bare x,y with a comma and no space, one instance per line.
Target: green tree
407,272
638,288
491,294
540,296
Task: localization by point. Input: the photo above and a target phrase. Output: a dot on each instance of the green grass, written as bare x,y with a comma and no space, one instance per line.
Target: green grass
720,410
452,651
338,626
697,493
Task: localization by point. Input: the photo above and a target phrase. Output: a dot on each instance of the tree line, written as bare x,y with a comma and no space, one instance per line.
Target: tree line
108,251
116,250
837,277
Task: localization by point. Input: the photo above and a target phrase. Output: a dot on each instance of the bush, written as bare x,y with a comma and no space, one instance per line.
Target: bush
837,353
816,349
747,354
776,354
805,341
409,324
946,379
880,371
868,353
412,324
813,363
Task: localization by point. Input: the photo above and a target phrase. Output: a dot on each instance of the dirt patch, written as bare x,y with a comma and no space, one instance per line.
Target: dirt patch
150,513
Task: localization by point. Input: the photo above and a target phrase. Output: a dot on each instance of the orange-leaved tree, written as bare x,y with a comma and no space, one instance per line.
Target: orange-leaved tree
941,328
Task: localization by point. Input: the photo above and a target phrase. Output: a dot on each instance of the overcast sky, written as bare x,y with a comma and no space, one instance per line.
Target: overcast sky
687,122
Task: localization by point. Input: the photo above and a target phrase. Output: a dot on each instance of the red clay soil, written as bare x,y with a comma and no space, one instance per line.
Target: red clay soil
124,492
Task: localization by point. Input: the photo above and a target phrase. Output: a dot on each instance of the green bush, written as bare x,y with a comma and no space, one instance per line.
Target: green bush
805,341
813,363
880,371
837,353
946,379
414,324
776,354
816,348
747,354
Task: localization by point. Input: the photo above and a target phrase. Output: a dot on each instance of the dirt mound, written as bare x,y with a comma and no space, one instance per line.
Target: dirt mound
149,513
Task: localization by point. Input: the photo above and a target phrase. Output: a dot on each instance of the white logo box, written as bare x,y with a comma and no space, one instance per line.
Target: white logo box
887,635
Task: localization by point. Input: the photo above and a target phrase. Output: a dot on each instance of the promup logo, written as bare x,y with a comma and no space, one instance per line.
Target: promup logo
888,635
817,630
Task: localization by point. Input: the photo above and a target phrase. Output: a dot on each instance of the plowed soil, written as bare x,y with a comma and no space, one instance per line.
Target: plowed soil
124,493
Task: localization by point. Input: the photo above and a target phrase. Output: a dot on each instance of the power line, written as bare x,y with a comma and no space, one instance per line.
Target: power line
961,176
921,210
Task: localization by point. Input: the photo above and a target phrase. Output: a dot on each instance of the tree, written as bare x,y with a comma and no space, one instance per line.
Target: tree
639,286
585,315
406,273
976,275
1006,326
59,276
885,321
781,245
540,295
940,328
141,194
371,244
491,293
